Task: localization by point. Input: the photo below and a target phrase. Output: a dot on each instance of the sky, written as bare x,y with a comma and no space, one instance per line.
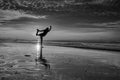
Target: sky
19,25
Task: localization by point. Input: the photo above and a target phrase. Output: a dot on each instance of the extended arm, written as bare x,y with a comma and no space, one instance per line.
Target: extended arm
39,30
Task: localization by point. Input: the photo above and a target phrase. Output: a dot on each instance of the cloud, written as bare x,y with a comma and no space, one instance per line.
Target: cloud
108,24
87,27
105,25
8,15
22,25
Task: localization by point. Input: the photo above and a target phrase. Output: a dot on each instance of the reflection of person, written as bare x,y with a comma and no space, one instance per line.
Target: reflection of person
43,33
44,62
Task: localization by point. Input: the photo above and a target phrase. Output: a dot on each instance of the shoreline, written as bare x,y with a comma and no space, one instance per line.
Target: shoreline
79,45
91,48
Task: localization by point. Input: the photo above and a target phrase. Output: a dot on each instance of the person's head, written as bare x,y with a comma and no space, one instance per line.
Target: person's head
37,32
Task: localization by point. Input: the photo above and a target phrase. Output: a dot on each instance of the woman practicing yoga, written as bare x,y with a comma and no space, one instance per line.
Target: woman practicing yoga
43,33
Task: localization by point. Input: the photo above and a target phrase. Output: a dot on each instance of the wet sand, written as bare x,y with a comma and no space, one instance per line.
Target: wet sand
66,63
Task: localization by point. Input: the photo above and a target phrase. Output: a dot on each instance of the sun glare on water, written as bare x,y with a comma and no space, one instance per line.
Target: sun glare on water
38,48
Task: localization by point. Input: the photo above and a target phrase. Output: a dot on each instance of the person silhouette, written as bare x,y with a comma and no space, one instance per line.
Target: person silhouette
43,33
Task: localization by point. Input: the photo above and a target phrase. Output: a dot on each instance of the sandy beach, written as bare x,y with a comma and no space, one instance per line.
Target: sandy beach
66,63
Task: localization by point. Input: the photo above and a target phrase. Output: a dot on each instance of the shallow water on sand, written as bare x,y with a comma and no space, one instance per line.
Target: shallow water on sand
66,63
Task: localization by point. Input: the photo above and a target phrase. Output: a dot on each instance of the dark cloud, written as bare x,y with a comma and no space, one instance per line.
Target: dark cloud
87,23
70,25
